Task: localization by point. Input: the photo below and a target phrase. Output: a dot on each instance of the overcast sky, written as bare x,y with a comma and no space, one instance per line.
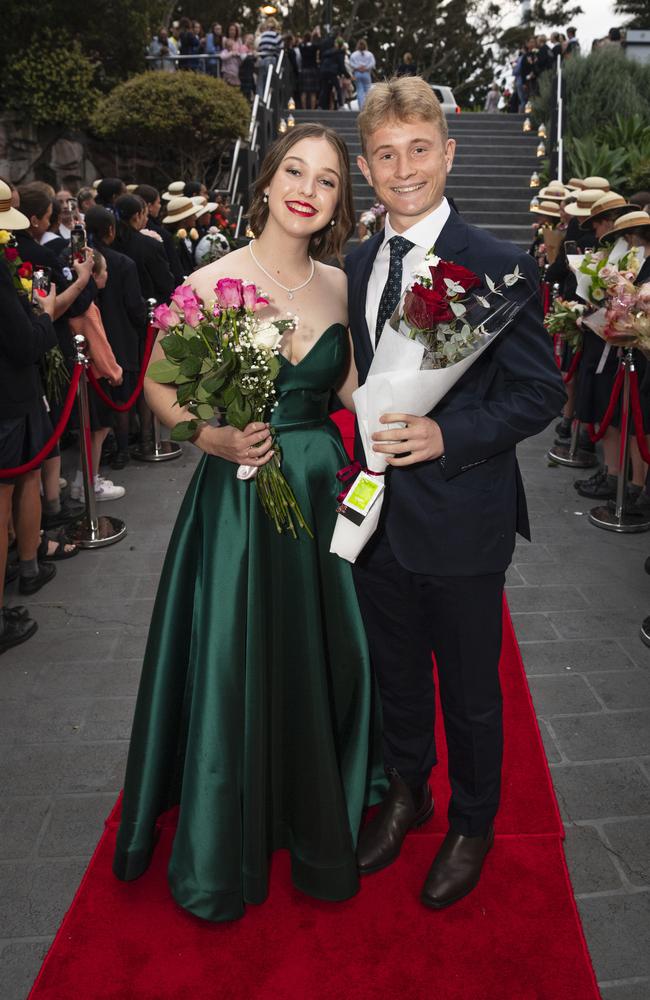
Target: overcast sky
598,18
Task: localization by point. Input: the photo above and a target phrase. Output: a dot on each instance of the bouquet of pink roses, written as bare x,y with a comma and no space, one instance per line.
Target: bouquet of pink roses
224,362
628,315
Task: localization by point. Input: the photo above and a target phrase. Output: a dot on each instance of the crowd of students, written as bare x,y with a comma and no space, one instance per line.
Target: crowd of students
93,264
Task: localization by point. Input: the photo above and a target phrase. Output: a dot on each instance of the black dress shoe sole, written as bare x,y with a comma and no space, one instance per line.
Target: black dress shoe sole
6,644
385,864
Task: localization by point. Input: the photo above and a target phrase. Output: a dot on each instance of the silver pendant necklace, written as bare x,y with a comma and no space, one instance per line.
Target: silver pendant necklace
290,291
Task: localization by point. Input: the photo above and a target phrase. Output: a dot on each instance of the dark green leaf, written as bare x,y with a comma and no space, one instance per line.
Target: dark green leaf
197,347
186,393
184,431
191,365
175,346
205,411
163,371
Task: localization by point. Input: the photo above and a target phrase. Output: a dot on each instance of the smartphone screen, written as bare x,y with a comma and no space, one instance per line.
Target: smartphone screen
40,282
78,243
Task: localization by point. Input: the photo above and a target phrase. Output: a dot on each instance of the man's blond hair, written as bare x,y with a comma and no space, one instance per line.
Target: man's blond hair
400,99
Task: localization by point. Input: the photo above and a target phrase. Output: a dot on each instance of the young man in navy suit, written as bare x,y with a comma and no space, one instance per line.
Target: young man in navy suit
432,577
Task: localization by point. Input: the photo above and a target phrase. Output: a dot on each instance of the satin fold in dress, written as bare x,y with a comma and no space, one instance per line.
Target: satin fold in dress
256,710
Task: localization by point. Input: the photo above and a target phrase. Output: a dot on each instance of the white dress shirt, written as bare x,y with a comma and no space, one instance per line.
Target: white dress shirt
424,235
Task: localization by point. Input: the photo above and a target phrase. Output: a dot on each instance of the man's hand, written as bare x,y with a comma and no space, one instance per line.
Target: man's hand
420,441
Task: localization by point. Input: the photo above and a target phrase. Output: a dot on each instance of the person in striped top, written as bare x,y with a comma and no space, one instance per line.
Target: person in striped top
269,45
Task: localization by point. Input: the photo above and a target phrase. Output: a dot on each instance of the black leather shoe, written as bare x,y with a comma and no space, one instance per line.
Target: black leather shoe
30,584
456,869
70,511
16,630
600,486
380,841
119,460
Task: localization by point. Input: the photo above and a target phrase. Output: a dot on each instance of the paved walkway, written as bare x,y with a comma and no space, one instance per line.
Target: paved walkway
577,595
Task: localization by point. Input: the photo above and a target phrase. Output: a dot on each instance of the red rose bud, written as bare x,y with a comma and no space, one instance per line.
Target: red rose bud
25,270
11,253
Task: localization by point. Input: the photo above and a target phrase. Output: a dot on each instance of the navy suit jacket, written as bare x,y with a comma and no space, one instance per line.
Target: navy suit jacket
459,516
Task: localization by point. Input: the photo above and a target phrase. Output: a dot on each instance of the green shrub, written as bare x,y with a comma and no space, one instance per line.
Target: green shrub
182,118
53,84
599,88
590,157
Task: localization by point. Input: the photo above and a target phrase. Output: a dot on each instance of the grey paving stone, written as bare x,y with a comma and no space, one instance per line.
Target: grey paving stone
630,839
562,695
20,825
130,646
19,965
590,791
590,865
530,552
50,720
513,578
75,825
147,585
61,767
637,651
95,678
617,929
628,690
633,594
141,560
596,737
595,624
104,586
553,755
533,628
546,599
36,896
627,991
578,656
17,679
109,719
73,644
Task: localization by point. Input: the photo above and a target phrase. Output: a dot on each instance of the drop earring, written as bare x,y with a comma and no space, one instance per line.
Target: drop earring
266,199
333,223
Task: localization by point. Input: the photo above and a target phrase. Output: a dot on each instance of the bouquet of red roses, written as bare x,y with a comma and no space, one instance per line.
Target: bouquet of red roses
441,310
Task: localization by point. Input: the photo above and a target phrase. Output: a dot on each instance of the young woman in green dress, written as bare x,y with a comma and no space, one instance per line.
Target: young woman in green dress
256,712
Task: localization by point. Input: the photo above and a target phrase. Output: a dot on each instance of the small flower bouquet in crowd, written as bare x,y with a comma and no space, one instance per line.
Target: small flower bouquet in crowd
438,331
213,246
53,368
627,319
370,220
562,321
595,271
224,361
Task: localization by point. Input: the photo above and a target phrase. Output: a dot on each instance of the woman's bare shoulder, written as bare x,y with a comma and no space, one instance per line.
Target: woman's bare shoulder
233,265
334,276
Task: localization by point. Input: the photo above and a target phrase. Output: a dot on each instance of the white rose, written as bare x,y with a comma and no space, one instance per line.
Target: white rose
422,270
267,336
431,260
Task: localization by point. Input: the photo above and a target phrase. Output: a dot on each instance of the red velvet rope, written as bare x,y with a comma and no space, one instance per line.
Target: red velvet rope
546,296
637,416
609,413
573,367
58,431
123,407
557,349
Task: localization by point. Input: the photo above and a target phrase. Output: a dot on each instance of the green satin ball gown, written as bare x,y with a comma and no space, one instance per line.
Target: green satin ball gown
256,710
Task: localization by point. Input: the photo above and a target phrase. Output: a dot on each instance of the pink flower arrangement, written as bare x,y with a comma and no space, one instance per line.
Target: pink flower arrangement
232,293
164,318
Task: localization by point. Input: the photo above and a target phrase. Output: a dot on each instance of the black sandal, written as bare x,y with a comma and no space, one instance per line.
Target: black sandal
61,540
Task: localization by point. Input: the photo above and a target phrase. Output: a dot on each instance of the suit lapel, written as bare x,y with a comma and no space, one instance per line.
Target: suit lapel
453,238
358,293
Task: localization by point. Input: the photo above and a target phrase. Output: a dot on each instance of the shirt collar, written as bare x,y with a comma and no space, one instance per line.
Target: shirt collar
425,232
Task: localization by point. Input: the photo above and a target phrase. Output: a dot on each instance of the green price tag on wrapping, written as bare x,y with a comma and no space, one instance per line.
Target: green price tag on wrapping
363,494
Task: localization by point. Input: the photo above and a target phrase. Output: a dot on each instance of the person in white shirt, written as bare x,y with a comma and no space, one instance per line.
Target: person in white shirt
363,63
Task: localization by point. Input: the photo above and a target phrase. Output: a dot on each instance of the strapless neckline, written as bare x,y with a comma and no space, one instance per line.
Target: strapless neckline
333,326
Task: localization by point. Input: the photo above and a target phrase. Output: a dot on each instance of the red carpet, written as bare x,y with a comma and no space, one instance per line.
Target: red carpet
516,937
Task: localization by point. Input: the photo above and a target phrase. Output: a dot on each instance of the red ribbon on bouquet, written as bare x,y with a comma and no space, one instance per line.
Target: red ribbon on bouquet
348,474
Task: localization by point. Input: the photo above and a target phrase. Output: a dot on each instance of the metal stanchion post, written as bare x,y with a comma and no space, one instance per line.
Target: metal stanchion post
91,531
615,517
156,450
572,455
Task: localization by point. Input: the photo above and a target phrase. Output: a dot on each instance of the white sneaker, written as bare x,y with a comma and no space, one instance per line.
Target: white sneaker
106,490
77,490
62,483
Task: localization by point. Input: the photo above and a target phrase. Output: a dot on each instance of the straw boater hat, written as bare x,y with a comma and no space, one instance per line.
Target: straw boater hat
631,220
131,188
179,209
554,192
581,207
203,205
596,184
575,183
10,217
610,202
550,208
175,190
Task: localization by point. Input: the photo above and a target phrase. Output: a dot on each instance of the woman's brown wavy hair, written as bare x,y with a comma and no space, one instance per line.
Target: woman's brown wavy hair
329,241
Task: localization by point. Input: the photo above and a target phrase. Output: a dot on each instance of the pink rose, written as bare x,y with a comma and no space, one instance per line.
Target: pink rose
229,293
193,313
164,317
252,300
182,295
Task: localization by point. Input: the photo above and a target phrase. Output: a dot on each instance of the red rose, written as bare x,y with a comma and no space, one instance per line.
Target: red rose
425,308
11,253
25,270
454,272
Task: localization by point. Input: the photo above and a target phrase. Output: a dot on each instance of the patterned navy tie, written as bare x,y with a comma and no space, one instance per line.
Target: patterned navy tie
399,247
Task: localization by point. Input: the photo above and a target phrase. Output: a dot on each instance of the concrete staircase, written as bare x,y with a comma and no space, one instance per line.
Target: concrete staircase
490,178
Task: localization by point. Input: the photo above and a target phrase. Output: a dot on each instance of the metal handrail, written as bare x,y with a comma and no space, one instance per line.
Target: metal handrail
560,111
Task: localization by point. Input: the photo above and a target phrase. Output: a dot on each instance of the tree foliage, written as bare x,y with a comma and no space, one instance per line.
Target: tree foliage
184,120
635,12
57,89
